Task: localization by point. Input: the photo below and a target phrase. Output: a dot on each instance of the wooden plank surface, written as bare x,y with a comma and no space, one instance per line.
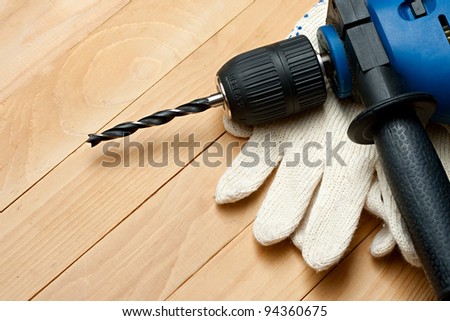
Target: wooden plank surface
161,245
81,200
34,33
283,275
50,117
380,279
73,228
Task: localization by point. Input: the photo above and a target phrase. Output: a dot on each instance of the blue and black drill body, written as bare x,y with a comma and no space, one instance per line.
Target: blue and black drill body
398,55
398,51
393,56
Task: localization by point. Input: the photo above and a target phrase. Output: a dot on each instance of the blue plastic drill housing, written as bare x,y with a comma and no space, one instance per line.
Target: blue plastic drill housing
416,37
395,56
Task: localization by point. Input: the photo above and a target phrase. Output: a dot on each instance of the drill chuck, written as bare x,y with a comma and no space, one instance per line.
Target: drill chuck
273,82
363,53
256,87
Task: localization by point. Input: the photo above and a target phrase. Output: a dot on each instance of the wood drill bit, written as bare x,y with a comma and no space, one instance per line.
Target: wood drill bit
157,119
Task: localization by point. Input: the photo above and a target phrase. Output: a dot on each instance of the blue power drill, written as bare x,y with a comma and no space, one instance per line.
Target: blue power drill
398,53
399,56
393,56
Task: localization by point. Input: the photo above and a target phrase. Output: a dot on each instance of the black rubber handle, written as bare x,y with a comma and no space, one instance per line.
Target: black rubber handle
421,189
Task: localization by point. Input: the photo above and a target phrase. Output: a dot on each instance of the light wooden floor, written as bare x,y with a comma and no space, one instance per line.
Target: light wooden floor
72,229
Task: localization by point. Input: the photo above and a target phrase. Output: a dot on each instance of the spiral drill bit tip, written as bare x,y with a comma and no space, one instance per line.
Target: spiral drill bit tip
157,119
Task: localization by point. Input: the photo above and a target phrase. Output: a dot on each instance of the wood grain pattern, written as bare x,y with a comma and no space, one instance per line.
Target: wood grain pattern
254,272
62,213
73,228
50,117
34,33
162,244
387,278
101,197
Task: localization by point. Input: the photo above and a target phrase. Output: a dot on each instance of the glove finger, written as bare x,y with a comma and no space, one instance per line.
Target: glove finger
335,213
287,200
395,222
297,177
328,229
383,243
263,152
374,202
250,168
236,129
402,237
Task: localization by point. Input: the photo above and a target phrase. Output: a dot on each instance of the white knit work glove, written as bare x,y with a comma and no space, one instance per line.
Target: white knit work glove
380,202
322,178
319,207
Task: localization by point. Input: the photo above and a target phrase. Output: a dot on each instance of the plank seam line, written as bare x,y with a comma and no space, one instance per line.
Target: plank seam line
344,258
240,233
209,260
126,217
124,109
69,49
108,122
215,254
76,148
